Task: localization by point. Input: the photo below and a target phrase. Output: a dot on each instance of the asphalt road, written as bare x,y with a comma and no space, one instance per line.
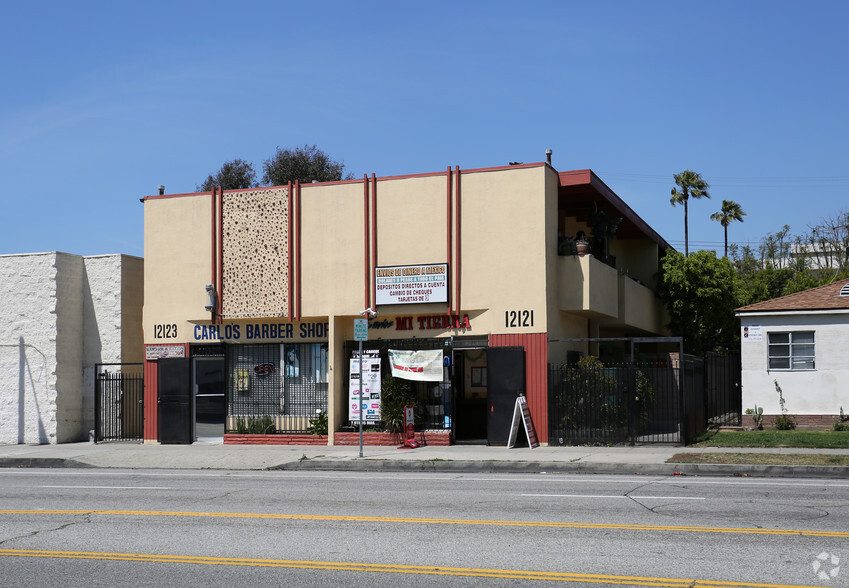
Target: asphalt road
157,528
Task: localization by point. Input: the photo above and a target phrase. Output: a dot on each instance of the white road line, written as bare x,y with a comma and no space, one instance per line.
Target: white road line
612,496
113,487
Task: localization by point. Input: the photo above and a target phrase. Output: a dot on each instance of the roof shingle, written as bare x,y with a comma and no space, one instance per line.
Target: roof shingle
820,298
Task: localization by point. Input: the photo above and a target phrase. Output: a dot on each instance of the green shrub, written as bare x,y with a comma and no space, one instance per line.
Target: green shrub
784,422
590,397
261,425
318,425
395,394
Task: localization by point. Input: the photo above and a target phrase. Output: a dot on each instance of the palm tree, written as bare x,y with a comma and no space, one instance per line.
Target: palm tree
691,184
731,211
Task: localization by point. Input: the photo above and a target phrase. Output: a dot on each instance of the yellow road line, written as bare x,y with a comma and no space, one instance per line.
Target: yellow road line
558,525
389,568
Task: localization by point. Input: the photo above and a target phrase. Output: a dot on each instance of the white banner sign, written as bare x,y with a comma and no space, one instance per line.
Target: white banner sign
424,365
411,284
371,389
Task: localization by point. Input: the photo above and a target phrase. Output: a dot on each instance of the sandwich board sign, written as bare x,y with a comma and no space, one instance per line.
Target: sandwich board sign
521,414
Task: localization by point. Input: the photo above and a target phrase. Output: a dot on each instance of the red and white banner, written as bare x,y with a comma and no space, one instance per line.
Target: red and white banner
423,365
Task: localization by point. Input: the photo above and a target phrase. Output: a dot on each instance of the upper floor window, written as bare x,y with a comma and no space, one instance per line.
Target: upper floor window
793,350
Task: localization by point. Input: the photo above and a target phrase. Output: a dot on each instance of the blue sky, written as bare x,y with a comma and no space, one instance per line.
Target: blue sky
103,101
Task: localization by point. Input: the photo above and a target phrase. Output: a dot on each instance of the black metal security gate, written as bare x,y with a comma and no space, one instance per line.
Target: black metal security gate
506,377
118,402
723,399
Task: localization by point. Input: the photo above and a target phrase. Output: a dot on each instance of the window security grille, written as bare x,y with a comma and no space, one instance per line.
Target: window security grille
277,380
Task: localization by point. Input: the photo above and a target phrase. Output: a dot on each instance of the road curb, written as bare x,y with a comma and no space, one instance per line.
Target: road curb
538,467
41,462
481,467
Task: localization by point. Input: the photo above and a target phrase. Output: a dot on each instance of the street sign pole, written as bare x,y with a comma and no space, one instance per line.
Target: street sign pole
361,398
361,334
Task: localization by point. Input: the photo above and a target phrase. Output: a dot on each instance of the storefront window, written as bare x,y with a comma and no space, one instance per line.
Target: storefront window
277,380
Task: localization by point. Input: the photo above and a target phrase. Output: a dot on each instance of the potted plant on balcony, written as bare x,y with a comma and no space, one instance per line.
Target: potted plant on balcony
582,245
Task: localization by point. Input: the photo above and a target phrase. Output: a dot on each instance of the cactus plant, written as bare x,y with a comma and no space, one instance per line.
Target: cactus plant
758,417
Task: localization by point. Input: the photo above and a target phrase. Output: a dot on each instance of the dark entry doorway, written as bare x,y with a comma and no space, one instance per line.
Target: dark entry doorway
175,400
506,381
470,395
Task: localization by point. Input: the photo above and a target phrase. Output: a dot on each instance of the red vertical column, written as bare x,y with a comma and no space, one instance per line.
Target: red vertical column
536,374
448,230
371,276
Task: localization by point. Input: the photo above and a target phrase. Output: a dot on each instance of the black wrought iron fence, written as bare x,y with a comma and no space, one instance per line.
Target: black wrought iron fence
612,404
119,402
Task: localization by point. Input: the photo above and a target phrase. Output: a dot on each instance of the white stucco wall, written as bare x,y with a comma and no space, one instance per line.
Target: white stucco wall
28,354
63,314
820,391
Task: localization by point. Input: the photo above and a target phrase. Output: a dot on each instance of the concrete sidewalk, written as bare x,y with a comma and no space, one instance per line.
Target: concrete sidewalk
457,458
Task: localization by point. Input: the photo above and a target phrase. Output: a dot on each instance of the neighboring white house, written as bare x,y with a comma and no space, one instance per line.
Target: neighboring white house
800,344
62,314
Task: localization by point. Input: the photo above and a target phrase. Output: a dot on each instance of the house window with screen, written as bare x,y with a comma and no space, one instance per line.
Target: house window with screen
793,350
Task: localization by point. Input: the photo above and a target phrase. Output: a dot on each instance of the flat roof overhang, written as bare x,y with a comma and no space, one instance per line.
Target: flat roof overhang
580,190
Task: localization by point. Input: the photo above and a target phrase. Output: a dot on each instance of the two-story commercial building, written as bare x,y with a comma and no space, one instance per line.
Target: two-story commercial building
479,277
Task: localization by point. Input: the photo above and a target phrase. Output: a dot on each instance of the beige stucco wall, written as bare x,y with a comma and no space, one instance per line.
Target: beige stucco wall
636,258
332,249
132,305
177,253
508,257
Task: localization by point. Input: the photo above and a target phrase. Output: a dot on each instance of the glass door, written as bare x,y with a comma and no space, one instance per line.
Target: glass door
210,406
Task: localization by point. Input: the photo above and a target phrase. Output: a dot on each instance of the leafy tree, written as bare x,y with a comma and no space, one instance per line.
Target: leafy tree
307,164
233,175
763,284
699,292
690,184
730,211
743,259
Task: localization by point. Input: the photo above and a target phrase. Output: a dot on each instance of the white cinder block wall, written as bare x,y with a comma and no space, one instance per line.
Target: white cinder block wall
62,315
28,354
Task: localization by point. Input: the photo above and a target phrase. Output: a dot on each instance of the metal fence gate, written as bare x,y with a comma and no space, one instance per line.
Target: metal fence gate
612,404
723,399
118,402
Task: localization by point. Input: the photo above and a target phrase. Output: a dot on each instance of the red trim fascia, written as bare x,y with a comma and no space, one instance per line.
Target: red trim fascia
366,256
213,250
298,248
163,196
220,254
448,231
291,259
372,278
575,177
457,239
